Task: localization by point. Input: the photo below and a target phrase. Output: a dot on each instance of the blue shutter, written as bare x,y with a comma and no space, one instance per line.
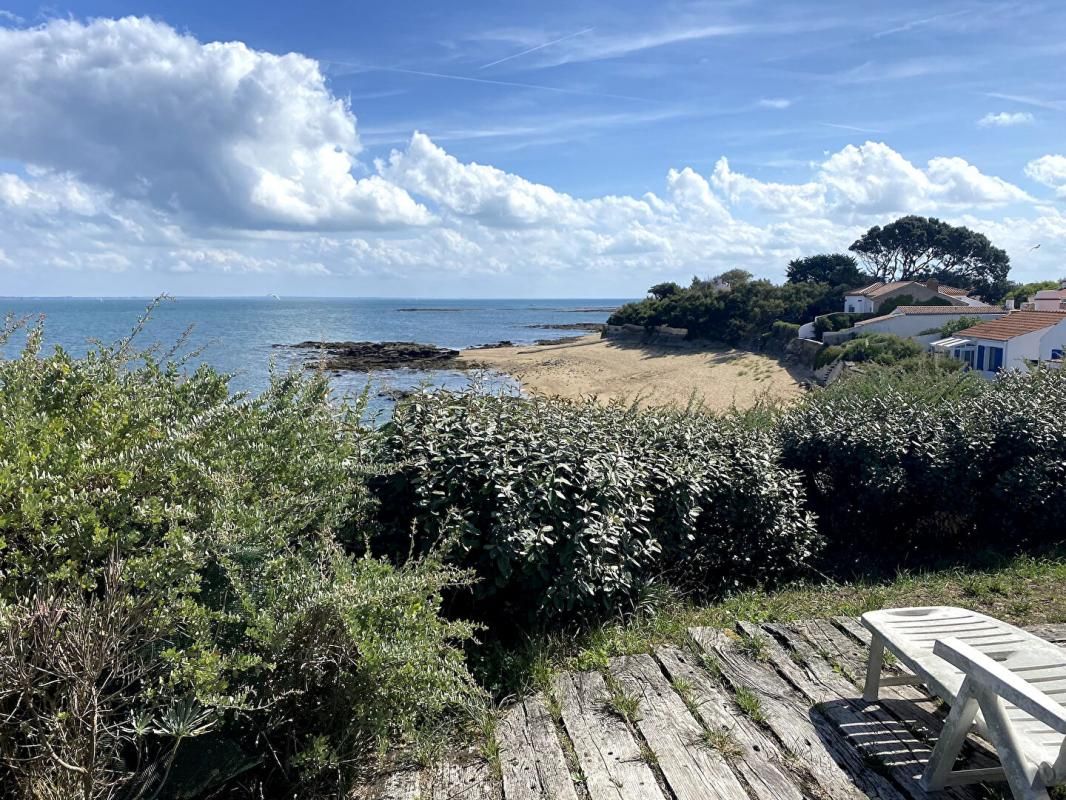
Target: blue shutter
980,356
995,359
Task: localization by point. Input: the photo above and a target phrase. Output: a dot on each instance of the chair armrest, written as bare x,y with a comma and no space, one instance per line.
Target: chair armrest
998,679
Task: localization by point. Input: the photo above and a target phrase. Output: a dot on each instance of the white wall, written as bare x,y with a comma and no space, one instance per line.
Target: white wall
1053,339
910,325
857,304
806,330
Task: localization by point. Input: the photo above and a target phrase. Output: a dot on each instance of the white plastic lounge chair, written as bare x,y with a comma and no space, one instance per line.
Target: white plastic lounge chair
1004,682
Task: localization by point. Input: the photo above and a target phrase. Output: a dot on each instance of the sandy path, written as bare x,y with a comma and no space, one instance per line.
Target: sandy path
609,369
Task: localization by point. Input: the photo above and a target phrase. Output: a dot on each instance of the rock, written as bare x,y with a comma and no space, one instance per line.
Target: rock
369,356
396,394
493,346
570,326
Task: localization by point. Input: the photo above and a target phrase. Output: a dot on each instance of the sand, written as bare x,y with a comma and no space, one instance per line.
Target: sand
610,369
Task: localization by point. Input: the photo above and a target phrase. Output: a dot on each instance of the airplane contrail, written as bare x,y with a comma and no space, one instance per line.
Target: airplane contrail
504,83
535,49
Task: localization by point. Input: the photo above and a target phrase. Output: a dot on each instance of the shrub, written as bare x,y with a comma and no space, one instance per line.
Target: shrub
568,511
190,544
955,325
880,348
905,467
838,321
827,355
732,307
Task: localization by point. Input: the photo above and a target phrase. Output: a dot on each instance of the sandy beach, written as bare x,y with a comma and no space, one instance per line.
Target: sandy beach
610,369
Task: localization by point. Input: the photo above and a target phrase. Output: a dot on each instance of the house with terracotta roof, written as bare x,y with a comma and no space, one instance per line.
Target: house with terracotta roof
1011,342
869,299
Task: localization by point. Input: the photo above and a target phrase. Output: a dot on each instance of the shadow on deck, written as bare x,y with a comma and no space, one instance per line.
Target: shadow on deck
771,712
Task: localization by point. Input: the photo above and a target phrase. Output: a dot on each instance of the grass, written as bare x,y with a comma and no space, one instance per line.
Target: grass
1023,591
749,703
625,704
722,741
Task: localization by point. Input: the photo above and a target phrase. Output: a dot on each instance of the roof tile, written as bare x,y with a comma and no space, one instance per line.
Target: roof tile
1014,324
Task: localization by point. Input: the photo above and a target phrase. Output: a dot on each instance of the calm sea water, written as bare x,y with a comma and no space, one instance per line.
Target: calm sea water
238,334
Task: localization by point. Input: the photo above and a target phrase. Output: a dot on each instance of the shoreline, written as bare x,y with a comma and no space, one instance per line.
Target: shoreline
717,378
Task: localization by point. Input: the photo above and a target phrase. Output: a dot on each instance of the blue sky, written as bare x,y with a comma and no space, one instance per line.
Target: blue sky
552,149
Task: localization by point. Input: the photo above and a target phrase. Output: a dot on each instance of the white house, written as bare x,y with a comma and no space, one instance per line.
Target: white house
1008,343
870,298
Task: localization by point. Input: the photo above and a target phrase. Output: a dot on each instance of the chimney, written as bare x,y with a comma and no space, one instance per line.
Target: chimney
933,285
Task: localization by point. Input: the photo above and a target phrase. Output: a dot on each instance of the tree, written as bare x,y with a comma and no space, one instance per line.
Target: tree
836,269
919,248
661,290
953,326
734,277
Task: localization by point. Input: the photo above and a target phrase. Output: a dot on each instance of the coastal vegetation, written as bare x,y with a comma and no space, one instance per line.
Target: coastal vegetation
210,594
737,309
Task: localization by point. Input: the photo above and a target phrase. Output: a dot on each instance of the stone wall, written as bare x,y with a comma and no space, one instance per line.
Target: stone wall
804,350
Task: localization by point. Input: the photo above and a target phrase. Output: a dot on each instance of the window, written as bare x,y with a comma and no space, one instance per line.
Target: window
980,356
851,308
1056,355
967,356
995,359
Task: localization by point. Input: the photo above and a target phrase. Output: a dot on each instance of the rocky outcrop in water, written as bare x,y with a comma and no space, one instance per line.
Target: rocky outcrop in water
569,326
371,356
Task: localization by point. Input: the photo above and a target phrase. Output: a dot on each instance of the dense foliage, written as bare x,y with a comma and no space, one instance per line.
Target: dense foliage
177,587
919,248
880,348
911,466
731,307
570,511
835,269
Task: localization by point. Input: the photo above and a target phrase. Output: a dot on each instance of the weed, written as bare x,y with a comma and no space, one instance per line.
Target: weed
749,703
721,741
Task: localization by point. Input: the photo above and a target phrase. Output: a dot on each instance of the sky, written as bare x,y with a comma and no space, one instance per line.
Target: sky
488,149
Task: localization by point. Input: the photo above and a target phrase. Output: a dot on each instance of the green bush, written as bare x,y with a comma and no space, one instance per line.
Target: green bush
838,321
190,544
569,511
732,308
880,348
827,355
904,467
893,303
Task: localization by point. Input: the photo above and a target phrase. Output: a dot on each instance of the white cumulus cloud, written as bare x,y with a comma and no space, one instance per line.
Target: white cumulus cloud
218,133
1049,170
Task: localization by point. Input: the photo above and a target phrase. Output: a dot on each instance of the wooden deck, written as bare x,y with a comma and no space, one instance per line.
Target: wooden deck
771,712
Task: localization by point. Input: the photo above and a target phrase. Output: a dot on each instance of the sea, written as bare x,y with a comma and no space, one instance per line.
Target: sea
238,335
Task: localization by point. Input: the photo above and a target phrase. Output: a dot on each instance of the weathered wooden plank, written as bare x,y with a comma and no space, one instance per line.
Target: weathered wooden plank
838,770
910,704
692,770
1052,633
757,758
879,736
532,763
461,778
401,785
609,756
